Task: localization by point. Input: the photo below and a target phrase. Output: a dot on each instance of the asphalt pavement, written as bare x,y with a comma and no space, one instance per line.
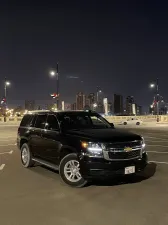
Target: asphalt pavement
37,196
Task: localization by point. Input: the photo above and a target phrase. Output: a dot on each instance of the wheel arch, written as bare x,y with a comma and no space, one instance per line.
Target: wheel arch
23,141
65,150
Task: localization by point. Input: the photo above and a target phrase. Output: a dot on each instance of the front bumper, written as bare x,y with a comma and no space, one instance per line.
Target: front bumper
99,168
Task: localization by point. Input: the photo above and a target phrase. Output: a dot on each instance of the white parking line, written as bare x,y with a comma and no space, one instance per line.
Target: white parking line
156,141
7,139
158,162
157,152
162,135
156,138
3,153
2,166
162,146
13,136
7,145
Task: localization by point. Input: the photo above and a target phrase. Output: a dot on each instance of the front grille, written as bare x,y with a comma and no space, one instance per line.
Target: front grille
116,151
122,145
124,155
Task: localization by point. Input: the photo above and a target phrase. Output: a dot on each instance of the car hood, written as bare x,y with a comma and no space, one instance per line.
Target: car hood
105,135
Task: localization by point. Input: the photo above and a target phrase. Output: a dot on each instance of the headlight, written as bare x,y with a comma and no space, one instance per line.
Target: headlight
143,145
93,149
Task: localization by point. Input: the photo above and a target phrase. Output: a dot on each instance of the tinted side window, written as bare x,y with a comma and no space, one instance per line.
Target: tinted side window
52,123
32,124
40,121
26,120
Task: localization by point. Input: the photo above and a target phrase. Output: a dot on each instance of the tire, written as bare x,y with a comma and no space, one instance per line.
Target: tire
68,161
125,123
26,156
138,123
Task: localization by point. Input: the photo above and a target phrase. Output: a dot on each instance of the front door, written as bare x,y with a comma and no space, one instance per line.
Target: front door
51,139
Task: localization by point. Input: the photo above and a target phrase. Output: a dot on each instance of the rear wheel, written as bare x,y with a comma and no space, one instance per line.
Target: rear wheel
26,156
70,171
138,123
125,123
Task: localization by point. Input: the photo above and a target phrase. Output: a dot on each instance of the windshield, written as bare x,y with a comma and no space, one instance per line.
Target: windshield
83,121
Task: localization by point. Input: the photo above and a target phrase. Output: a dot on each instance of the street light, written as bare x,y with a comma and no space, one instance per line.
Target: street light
6,84
54,73
152,85
156,85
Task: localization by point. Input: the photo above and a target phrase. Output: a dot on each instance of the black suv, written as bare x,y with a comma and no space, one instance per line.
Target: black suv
81,145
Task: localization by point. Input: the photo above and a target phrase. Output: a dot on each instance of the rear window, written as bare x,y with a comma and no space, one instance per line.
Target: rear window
26,120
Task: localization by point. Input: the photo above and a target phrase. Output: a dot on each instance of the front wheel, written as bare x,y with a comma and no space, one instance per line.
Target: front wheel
70,171
26,156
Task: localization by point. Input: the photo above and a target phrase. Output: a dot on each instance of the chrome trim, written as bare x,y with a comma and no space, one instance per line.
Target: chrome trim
125,142
106,155
122,149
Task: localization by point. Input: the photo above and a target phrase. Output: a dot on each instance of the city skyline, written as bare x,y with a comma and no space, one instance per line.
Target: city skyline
117,105
102,95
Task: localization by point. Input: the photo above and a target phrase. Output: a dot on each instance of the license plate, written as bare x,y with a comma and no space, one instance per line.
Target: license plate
130,169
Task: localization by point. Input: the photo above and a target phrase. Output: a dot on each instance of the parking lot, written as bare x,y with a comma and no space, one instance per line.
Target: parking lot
37,196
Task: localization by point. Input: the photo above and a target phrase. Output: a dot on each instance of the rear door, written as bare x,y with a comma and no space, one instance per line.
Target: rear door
36,132
51,139
24,128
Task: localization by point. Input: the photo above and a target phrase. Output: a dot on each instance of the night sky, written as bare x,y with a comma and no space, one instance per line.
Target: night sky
119,45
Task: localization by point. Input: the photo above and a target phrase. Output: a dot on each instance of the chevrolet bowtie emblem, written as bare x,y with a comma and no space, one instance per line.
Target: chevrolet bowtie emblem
127,149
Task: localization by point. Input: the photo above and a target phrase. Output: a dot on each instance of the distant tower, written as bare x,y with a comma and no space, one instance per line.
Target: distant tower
118,104
80,101
129,102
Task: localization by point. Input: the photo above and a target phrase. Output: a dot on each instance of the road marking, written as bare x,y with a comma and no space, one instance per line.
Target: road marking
157,138
3,153
8,136
7,139
156,141
157,152
158,162
7,145
163,146
163,135
2,166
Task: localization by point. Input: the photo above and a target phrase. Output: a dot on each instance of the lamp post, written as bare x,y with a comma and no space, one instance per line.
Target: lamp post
54,73
156,85
6,84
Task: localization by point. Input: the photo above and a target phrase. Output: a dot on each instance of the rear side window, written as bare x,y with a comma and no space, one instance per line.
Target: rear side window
26,120
52,123
40,121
